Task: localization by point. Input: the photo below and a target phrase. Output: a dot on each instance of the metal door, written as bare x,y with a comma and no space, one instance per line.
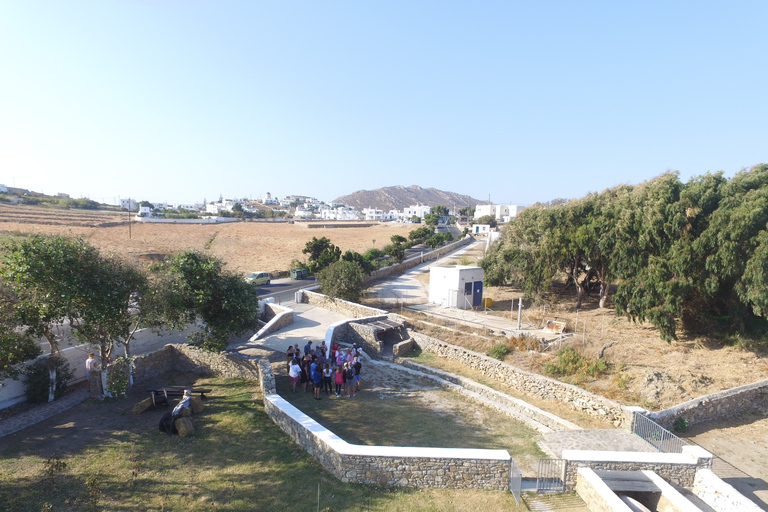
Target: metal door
477,294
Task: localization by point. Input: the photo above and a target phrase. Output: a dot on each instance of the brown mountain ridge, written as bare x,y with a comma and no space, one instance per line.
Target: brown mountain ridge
399,197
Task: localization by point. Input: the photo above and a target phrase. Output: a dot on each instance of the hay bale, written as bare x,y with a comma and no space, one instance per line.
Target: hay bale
186,412
197,404
142,406
184,427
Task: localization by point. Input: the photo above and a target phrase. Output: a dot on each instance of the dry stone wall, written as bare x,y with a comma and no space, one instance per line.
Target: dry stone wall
186,358
417,260
677,468
526,382
751,397
340,306
384,465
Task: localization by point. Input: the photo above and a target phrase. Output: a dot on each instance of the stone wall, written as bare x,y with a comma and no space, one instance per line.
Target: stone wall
545,418
526,382
402,348
387,465
751,397
340,306
416,260
186,358
719,495
276,318
677,468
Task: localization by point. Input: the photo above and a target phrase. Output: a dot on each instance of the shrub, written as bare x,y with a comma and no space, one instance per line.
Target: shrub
681,425
569,362
499,351
117,377
36,379
597,368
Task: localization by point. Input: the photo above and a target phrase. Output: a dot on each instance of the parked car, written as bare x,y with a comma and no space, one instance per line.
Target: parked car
258,278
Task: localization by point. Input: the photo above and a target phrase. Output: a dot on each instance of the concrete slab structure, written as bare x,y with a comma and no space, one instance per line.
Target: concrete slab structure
456,286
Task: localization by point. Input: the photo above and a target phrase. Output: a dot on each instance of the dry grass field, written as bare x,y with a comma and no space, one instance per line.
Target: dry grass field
243,246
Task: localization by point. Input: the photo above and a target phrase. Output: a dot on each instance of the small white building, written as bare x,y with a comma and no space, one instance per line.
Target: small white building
128,204
3,189
416,210
373,214
480,229
501,212
456,286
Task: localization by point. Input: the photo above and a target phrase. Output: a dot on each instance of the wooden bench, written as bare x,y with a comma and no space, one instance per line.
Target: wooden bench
161,395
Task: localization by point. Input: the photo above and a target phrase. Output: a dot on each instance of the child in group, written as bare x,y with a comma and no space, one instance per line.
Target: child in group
339,358
344,382
327,378
339,379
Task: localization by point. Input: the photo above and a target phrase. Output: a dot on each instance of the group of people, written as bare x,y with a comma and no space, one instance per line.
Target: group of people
335,372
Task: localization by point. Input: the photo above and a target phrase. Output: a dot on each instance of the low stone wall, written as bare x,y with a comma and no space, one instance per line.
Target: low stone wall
340,306
402,348
677,468
719,495
547,419
416,260
386,465
751,397
186,358
528,383
356,331
276,317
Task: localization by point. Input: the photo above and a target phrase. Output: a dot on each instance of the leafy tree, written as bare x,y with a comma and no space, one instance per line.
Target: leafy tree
373,253
431,219
420,235
487,219
397,248
46,274
416,219
343,280
16,346
237,208
435,241
321,253
467,211
201,289
365,265
440,210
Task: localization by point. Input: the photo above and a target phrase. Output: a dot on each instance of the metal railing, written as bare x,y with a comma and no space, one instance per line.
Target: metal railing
656,435
515,481
551,476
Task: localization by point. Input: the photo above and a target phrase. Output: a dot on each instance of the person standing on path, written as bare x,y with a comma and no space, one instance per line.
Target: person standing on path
294,372
357,366
90,365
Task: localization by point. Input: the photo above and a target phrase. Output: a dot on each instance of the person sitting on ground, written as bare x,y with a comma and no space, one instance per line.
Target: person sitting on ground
167,422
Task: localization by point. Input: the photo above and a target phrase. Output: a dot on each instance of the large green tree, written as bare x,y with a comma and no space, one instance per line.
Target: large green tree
343,280
321,253
196,287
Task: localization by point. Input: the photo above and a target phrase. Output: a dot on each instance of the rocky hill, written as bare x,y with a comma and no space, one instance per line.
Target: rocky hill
399,197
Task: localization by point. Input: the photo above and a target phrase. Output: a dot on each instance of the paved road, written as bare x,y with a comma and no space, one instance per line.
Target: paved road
283,290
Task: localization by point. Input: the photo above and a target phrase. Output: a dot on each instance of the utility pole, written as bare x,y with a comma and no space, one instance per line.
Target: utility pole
129,217
520,313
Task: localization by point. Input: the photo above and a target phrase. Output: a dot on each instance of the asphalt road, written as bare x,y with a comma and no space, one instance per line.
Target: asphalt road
284,290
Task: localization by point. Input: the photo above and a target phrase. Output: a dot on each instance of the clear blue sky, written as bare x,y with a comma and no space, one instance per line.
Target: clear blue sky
181,100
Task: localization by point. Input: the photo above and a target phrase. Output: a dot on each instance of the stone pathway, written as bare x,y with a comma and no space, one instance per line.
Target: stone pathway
41,412
603,440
